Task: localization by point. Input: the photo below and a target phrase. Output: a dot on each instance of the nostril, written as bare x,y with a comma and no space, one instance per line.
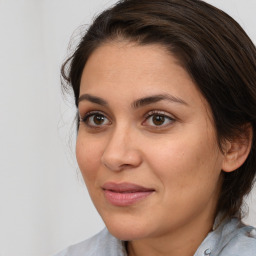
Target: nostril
121,161
116,167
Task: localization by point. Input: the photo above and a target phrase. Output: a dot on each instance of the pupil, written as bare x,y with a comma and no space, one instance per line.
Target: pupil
98,119
158,120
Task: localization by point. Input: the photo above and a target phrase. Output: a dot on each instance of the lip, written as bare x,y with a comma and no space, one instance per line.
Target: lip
125,194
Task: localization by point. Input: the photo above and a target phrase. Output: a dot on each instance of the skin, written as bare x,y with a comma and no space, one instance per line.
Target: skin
179,158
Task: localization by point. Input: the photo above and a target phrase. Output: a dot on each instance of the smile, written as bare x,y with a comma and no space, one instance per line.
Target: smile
125,194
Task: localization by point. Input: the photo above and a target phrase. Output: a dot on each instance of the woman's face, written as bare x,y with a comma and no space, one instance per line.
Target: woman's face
146,144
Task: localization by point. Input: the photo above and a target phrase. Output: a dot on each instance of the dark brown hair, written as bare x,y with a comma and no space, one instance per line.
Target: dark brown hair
211,46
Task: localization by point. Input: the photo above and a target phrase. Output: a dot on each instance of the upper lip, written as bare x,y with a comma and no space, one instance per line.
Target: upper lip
125,187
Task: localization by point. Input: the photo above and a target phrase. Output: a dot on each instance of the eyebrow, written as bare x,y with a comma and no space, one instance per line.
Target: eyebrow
156,98
93,99
137,103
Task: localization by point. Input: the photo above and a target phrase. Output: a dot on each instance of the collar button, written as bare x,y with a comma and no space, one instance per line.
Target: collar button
207,252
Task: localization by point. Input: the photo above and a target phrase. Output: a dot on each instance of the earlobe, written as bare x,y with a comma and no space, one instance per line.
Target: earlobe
237,150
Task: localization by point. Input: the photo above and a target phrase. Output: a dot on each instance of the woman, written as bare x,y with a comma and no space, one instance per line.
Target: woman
166,98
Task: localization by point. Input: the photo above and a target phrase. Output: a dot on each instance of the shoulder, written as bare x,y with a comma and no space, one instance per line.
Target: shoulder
230,238
103,244
239,240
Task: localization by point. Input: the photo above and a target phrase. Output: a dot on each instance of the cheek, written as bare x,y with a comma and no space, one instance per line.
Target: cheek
88,158
188,171
185,160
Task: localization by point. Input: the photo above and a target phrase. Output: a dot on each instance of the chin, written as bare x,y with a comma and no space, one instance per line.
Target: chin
126,231
128,234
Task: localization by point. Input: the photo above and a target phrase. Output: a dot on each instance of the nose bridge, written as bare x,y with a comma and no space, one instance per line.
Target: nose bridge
121,151
118,142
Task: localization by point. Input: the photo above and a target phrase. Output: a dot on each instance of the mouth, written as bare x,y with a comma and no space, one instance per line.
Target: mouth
125,194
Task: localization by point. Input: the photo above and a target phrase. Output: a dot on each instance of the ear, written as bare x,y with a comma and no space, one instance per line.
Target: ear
237,150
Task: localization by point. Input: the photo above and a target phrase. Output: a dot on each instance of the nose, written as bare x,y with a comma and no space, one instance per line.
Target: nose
121,151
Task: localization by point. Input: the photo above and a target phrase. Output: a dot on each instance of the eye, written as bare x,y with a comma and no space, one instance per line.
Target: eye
95,119
158,119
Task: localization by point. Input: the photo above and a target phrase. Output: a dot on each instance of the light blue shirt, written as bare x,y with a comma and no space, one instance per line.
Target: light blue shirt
229,238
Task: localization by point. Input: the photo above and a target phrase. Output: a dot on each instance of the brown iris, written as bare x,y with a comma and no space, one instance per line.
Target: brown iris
98,119
158,119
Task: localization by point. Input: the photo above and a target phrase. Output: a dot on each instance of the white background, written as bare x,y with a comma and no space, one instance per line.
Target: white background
44,205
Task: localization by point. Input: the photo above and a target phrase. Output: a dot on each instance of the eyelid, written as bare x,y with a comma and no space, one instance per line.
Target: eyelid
159,112
92,112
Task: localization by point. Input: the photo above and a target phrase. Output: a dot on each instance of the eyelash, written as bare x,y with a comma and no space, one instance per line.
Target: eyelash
150,114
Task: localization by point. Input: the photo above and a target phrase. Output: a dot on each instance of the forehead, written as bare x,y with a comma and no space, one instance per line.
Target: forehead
126,66
121,57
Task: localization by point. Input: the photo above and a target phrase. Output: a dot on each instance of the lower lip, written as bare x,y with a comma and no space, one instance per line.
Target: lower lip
125,199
